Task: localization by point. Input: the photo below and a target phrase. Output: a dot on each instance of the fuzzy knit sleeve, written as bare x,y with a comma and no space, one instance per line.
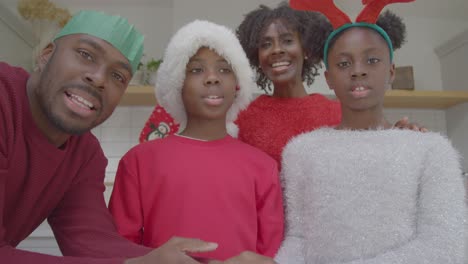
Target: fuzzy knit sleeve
441,214
292,248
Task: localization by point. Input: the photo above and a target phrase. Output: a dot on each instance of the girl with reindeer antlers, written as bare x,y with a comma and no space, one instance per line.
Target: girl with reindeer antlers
363,192
353,202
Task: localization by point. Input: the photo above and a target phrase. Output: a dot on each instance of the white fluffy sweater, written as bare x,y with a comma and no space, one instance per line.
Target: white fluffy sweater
386,196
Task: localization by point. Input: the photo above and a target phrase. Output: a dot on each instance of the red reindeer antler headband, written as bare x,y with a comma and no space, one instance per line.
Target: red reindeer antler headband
372,9
340,21
327,7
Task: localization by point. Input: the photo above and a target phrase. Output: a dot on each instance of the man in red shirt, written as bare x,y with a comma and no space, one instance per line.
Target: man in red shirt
51,166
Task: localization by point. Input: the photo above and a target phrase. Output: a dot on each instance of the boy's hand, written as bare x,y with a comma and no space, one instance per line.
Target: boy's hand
405,124
175,251
246,257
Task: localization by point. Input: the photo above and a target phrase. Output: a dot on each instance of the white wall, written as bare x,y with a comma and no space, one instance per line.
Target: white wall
457,130
454,64
453,56
228,13
10,41
423,36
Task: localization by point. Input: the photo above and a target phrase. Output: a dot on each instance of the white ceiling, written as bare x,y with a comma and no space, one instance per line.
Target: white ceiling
442,9
91,3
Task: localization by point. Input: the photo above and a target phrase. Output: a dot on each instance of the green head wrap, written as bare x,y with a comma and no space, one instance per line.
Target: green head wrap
114,29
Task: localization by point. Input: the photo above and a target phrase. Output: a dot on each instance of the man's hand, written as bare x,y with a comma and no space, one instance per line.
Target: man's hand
246,257
175,251
405,124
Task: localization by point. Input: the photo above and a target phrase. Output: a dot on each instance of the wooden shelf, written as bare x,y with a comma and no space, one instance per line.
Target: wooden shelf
144,96
424,99
139,95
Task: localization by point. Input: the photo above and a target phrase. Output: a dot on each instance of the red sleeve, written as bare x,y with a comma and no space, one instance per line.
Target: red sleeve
12,255
9,254
125,204
270,214
82,224
9,79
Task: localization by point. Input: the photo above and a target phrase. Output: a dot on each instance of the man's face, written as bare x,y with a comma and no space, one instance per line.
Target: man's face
82,79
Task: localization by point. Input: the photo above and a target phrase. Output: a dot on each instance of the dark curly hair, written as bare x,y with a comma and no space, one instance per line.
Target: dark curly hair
392,24
312,27
395,28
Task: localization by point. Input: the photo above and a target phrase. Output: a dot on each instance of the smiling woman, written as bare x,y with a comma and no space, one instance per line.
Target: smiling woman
285,48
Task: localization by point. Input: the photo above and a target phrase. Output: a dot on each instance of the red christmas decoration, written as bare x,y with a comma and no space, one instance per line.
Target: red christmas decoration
159,125
338,18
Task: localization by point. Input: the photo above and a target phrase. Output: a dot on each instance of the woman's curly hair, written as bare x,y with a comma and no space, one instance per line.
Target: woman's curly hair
312,28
